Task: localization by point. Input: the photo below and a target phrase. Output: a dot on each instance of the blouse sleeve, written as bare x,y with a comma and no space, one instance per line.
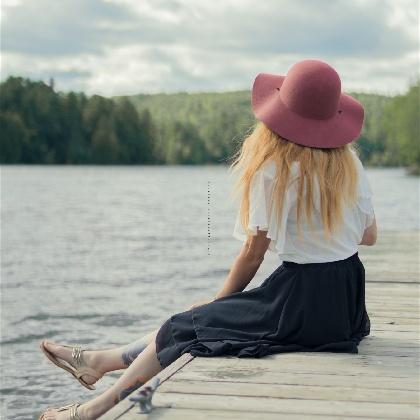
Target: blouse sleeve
261,190
365,202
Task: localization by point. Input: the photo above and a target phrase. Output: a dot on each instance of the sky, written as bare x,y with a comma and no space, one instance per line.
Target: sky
126,47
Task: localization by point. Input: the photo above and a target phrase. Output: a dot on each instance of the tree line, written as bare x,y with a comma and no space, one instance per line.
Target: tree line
40,125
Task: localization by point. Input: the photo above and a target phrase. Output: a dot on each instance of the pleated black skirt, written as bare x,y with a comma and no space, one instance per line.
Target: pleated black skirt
299,307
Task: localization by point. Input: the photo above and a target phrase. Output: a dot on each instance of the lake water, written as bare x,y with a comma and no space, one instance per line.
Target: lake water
100,256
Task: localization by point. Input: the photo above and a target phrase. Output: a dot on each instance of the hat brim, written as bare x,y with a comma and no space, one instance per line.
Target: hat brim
336,131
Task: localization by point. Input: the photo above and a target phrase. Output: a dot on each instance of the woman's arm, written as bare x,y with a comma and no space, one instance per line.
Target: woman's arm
370,234
244,267
246,264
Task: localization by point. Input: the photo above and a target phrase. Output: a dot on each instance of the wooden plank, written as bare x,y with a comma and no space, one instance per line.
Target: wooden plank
396,314
309,379
393,258
385,350
375,350
174,413
329,364
376,281
394,285
381,372
400,289
286,406
377,288
392,277
394,327
397,321
380,342
298,391
393,306
399,336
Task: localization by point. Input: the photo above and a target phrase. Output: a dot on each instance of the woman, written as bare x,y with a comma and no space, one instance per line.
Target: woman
304,195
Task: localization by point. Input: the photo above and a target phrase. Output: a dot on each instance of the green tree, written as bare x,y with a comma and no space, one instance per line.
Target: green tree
135,133
105,147
185,145
73,147
402,125
14,137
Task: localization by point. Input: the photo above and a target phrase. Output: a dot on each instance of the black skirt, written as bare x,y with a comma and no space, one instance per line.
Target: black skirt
299,307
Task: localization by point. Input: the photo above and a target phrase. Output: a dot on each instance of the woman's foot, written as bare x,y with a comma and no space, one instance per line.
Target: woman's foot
54,414
89,410
65,353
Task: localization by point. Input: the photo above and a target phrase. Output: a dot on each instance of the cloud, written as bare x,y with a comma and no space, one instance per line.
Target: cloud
55,28
130,46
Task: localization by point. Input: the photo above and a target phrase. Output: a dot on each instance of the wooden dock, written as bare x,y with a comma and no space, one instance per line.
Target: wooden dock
380,382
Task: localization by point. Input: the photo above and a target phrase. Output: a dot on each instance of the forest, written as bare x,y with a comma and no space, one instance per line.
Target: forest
42,126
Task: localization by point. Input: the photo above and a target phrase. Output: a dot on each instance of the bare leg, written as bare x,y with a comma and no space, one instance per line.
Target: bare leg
130,352
144,367
106,360
120,357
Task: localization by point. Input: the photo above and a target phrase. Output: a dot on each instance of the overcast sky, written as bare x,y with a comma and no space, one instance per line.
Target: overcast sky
118,47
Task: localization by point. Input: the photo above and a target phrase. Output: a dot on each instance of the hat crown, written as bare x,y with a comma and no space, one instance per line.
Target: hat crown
312,89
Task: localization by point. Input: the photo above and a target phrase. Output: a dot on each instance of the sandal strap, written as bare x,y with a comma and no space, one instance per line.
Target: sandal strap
76,354
74,415
80,364
88,371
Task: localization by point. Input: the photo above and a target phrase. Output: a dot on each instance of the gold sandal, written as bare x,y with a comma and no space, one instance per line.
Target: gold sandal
74,415
79,369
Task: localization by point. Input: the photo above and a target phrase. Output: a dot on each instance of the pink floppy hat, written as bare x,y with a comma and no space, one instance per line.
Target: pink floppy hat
306,106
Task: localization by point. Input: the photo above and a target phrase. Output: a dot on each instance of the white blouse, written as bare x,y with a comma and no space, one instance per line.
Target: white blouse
284,238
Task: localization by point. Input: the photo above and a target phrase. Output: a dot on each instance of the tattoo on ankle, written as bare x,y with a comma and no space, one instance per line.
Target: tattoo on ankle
131,353
127,391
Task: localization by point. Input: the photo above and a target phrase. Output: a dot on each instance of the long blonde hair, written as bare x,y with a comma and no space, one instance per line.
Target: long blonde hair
335,169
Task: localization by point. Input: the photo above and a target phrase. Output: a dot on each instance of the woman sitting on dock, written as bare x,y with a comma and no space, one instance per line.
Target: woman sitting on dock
305,196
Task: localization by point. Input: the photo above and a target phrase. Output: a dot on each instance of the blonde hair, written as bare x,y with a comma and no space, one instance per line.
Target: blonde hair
335,169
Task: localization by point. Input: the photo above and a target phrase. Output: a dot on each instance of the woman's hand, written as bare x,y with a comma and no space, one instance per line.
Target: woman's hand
200,303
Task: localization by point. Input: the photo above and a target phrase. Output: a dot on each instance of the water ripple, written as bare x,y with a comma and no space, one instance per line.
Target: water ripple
44,316
30,337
